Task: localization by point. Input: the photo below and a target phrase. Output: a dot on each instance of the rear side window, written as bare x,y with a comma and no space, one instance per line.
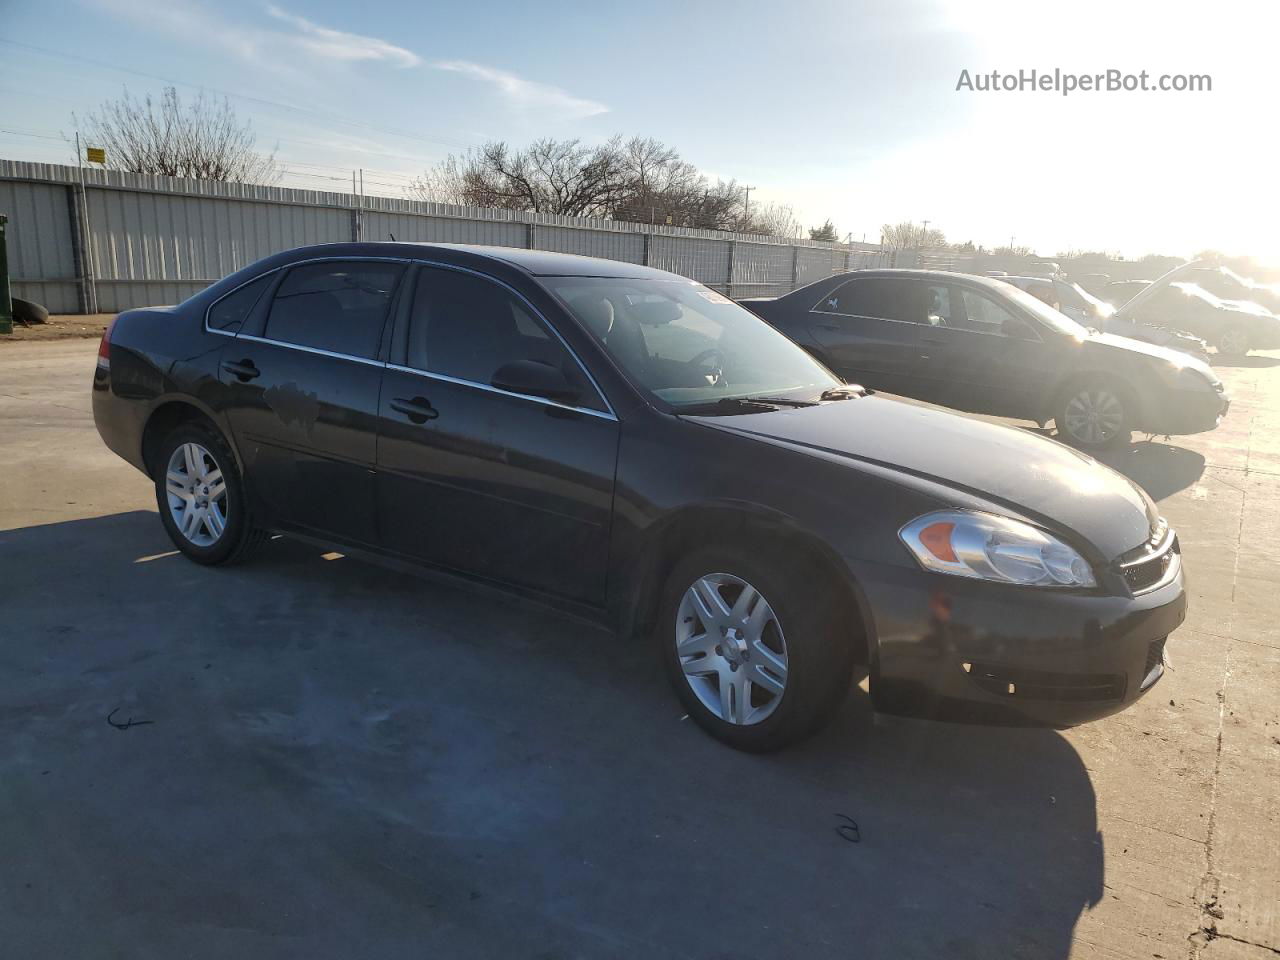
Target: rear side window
338,305
885,298
230,312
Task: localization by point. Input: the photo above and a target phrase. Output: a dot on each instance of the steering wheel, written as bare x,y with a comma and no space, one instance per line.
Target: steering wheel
714,372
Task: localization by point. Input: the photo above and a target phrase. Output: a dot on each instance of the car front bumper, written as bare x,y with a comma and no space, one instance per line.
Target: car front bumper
953,649
1185,411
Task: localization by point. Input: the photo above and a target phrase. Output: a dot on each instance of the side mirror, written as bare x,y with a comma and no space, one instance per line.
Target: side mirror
536,379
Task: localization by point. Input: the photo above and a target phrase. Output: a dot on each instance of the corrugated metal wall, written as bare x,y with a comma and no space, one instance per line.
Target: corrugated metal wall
159,240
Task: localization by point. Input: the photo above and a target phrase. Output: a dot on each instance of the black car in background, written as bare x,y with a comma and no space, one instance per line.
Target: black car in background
638,448
981,345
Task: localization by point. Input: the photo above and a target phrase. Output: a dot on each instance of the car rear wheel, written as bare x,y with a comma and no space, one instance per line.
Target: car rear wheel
1094,414
753,647
1233,342
201,498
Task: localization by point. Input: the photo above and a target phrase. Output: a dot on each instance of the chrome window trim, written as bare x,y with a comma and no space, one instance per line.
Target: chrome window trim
1033,324
607,414
489,388
534,311
305,349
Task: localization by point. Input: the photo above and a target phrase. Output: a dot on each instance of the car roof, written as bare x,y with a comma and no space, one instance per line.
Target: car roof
950,276
538,263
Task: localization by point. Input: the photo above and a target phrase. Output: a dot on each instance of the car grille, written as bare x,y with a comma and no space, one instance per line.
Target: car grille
1154,563
1044,685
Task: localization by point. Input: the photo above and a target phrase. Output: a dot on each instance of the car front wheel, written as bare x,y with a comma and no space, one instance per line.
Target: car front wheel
1094,414
201,498
1233,342
754,648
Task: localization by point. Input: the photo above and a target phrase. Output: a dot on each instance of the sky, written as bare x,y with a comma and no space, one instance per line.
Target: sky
843,109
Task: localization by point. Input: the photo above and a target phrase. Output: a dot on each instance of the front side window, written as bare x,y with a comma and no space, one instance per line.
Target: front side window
686,344
984,316
230,312
338,305
467,327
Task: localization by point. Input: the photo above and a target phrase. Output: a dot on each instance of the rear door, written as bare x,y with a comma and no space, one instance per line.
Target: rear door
302,384
479,479
868,329
979,355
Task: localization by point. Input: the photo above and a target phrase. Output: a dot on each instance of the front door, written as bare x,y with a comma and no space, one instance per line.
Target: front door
867,329
301,394
978,356
509,487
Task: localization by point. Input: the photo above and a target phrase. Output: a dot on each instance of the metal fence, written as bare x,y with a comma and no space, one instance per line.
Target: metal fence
91,240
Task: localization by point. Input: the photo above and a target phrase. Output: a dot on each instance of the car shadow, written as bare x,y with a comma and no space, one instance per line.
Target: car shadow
1250,361
361,760
1161,469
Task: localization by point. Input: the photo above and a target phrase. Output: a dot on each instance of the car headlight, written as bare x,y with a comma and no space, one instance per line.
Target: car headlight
984,546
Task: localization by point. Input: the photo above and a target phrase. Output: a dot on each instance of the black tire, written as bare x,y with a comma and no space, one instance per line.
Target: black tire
239,537
1232,341
818,646
24,311
1106,391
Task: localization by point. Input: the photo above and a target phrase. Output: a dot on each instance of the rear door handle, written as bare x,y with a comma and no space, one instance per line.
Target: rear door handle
244,369
418,410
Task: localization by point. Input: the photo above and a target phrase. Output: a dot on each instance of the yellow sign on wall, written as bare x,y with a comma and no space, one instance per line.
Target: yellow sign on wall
95,154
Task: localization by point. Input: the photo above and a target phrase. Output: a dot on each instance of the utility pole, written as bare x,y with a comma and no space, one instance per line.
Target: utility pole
746,204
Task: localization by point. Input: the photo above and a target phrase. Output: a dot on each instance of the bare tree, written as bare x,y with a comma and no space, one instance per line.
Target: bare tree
549,176
771,220
640,179
201,139
911,236
1019,250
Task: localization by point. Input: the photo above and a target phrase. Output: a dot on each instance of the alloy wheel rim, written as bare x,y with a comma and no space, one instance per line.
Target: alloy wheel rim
1234,342
731,649
1094,416
197,494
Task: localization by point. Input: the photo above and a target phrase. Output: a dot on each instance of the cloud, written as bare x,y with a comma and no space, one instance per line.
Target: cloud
525,93
339,45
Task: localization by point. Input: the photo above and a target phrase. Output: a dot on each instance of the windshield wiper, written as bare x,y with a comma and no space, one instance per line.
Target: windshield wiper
727,405
782,401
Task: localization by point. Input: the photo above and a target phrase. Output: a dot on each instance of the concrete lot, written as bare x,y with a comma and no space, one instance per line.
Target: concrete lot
348,762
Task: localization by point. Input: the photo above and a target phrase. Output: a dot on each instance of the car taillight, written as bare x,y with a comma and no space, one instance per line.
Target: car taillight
104,347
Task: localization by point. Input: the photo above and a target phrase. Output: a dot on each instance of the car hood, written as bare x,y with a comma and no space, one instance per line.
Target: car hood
1112,341
1041,479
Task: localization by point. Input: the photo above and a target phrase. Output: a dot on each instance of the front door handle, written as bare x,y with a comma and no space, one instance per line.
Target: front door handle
418,410
244,370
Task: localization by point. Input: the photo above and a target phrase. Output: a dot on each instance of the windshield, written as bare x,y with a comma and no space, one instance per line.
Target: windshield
1195,290
1099,308
687,344
1045,314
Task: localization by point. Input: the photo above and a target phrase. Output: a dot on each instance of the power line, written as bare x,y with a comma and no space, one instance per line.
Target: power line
239,96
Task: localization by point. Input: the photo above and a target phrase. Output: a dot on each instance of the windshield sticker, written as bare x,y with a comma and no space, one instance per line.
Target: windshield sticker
712,297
